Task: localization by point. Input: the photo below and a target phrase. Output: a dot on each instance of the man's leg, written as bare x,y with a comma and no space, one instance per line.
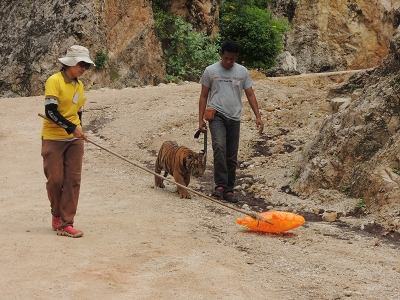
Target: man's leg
232,147
218,134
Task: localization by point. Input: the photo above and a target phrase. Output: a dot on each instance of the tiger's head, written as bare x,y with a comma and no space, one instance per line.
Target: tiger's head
195,162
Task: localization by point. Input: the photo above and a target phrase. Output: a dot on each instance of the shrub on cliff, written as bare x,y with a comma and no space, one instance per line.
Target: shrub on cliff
249,23
188,52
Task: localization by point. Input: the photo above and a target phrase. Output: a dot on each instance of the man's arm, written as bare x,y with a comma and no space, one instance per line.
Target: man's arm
202,106
251,97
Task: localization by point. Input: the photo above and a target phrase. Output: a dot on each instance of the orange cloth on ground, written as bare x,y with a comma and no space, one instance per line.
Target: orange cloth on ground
282,220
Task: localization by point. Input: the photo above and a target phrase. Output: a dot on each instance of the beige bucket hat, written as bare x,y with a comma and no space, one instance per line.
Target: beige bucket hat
76,54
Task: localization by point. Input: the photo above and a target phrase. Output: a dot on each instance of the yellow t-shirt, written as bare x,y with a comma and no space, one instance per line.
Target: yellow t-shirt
70,97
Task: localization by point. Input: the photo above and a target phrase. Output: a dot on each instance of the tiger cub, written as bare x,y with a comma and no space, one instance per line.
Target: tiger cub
180,162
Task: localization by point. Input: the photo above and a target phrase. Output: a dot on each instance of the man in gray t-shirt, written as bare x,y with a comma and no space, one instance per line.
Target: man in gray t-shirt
222,86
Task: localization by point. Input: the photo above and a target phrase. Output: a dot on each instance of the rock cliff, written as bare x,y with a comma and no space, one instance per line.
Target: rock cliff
325,36
357,149
338,35
34,34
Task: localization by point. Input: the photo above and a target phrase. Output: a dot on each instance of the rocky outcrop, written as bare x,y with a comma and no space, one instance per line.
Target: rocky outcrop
325,36
358,148
338,35
286,66
34,34
134,50
203,15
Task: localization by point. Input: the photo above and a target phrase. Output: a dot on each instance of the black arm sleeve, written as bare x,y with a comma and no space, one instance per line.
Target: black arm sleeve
80,117
53,114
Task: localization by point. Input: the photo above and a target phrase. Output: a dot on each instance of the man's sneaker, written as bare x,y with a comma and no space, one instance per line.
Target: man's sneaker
218,193
70,231
55,222
230,197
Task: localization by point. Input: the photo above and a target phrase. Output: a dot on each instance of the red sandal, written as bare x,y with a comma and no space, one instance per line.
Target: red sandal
70,231
230,197
218,193
55,222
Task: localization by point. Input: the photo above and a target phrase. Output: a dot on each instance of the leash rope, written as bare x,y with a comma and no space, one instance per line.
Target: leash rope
254,215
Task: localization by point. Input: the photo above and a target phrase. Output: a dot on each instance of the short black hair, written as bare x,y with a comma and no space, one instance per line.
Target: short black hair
230,46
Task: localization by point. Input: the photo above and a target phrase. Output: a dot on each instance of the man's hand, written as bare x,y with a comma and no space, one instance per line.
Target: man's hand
260,125
202,125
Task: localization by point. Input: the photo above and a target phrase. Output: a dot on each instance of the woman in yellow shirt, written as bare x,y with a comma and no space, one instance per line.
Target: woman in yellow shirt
62,139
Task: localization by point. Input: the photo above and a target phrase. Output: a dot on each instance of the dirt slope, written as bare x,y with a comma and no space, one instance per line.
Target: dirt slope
143,242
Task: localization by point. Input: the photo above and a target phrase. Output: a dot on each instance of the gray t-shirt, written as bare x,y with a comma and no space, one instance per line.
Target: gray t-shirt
226,87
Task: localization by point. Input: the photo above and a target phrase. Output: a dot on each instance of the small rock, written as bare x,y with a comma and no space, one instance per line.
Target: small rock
347,293
318,211
249,261
329,216
337,296
238,188
246,207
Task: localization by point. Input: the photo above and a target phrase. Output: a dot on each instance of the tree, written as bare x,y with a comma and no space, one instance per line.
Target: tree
249,24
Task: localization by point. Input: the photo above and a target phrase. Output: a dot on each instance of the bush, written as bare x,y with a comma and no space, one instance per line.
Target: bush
100,60
258,36
188,52
164,22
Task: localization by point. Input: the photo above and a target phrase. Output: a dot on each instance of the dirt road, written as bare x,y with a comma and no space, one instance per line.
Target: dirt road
142,242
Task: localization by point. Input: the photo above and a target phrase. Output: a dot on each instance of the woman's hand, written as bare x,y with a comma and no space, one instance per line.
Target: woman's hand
78,133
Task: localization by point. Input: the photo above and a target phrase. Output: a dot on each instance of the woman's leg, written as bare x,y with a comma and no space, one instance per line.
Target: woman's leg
53,166
72,181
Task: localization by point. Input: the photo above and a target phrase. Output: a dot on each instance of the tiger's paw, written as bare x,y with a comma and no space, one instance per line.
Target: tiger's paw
186,196
160,185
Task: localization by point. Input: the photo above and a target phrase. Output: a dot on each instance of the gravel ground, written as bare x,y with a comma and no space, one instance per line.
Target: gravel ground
142,242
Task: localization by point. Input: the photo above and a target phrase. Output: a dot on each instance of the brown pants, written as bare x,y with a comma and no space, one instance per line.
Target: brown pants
62,164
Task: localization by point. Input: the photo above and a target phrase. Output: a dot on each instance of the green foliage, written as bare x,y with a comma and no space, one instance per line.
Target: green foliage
296,176
396,170
188,52
262,3
249,23
360,204
346,190
172,78
15,90
114,76
161,5
353,86
113,71
165,21
100,60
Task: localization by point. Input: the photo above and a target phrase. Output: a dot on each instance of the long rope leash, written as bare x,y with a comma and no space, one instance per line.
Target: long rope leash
254,215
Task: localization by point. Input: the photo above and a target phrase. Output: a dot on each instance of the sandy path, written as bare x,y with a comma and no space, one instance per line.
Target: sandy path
146,243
